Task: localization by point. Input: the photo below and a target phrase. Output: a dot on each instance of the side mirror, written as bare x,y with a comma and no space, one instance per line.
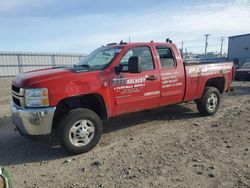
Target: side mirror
134,64
118,69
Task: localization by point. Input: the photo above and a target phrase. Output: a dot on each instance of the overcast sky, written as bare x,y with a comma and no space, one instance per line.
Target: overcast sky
82,25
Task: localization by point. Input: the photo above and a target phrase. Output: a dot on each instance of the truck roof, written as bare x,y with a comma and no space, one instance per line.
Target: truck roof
142,43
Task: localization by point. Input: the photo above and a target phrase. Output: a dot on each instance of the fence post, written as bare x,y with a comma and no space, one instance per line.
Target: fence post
19,63
80,57
53,60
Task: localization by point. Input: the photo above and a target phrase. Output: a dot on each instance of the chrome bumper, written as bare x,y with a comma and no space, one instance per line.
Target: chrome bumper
33,121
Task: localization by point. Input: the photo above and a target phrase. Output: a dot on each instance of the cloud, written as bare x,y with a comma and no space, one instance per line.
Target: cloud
13,7
83,32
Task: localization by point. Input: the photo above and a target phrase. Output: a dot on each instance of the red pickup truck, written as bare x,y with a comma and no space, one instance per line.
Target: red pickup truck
112,80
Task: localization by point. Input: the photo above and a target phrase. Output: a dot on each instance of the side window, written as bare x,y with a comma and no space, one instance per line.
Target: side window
143,52
166,57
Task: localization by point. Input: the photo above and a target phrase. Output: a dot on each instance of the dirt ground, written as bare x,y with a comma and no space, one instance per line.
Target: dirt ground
168,147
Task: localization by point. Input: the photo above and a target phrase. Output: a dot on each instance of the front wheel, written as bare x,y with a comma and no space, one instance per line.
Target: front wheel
209,103
79,131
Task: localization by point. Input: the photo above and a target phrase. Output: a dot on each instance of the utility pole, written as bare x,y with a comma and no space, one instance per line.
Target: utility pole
206,44
129,39
221,46
182,43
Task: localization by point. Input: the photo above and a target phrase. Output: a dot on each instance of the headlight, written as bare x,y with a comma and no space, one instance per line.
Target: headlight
36,97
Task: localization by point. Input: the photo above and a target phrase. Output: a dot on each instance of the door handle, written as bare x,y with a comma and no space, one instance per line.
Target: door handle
151,77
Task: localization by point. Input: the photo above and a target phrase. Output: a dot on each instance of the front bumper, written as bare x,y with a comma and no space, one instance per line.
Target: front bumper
242,75
33,121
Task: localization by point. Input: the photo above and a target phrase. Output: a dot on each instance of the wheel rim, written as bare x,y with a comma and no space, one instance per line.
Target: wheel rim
81,133
212,102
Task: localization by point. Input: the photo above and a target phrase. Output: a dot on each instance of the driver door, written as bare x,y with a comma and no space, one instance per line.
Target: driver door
137,91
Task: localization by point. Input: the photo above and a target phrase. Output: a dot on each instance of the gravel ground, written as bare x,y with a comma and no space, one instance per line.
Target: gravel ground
167,147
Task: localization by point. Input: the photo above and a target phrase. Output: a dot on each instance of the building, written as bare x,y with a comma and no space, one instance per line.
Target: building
239,49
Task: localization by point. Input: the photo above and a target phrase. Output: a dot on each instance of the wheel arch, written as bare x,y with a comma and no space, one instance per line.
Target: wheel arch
94,102
217,82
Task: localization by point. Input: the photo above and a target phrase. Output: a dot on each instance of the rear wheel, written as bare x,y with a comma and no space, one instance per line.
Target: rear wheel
79,131
209,103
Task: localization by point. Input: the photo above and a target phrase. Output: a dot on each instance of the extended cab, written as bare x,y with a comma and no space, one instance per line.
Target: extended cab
113,80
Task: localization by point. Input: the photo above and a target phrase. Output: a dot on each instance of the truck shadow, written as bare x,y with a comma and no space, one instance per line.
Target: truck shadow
16,149
173,112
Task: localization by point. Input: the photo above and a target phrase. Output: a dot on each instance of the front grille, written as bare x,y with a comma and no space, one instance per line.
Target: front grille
242,75
18,96
16,101
16,89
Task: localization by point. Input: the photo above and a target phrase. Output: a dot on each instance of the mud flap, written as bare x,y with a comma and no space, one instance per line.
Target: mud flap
230,89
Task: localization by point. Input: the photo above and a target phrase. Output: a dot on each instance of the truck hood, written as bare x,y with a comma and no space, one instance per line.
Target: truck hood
28,79
62,82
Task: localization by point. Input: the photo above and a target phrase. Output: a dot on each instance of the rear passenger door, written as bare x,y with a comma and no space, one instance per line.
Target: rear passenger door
172,76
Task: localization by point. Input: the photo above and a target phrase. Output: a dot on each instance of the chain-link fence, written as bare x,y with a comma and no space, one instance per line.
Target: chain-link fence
13,63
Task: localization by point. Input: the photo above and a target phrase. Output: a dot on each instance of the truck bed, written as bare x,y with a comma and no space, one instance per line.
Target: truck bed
198,75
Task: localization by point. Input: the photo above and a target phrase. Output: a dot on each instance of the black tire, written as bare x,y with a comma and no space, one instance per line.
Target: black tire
68,121
203,105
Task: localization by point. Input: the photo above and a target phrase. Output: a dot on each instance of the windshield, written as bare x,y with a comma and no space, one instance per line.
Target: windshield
100,58
246,66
